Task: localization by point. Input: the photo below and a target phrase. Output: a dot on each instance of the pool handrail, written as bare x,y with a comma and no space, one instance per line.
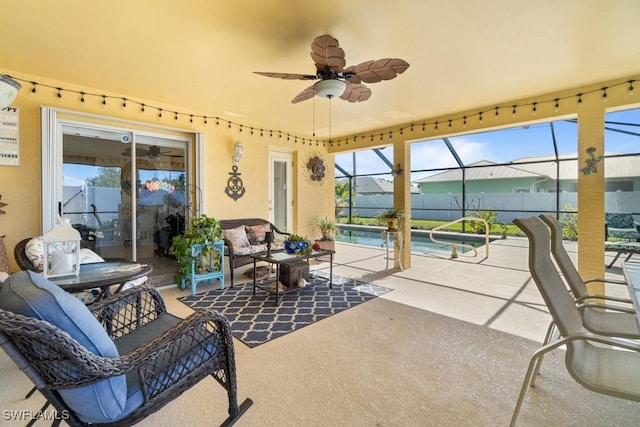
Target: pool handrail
464,218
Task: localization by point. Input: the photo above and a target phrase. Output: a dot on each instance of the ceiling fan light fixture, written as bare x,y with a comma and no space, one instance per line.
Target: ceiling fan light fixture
330,88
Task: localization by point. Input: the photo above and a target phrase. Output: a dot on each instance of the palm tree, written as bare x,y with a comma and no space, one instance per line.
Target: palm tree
343,194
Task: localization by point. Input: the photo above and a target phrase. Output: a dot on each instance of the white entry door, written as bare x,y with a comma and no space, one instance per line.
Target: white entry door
280,197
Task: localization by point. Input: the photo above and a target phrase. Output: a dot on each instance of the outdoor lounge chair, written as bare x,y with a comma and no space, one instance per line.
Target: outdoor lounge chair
621,226
619,321
576,284
114,362
602,369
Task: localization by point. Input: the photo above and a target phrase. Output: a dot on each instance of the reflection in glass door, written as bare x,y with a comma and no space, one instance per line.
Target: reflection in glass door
125,192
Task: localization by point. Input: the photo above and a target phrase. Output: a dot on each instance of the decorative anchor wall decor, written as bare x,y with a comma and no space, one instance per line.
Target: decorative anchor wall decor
235,188
592,163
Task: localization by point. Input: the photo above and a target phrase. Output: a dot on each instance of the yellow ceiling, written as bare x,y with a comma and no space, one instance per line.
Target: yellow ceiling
199,55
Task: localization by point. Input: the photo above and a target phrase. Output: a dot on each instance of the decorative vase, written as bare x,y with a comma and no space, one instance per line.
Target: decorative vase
293,247
392,224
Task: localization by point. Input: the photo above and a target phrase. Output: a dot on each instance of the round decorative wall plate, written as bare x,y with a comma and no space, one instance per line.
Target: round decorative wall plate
316,168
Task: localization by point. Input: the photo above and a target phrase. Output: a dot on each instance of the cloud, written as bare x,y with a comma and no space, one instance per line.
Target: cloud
435,154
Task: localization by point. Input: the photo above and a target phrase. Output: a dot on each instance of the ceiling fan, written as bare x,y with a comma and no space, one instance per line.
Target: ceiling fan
153,152
336,80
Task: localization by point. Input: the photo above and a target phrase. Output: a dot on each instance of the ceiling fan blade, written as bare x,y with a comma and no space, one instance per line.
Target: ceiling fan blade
308,93
140,152
288,76
355,92
326,52
375,71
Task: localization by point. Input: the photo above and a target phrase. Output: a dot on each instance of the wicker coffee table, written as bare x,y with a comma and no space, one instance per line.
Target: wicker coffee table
281,258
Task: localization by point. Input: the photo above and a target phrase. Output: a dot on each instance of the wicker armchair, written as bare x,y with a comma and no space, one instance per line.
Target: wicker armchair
21,257
159,356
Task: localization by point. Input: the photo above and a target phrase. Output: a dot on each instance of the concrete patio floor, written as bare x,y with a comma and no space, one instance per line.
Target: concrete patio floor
495,292
448,346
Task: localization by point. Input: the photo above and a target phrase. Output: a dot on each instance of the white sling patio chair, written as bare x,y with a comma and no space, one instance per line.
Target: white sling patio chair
602,369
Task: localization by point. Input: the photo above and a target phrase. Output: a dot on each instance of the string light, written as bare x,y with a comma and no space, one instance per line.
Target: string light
463,119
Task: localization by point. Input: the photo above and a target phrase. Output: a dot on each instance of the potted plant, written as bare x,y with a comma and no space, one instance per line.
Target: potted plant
295,244
202,230
328,229
326,226
390,217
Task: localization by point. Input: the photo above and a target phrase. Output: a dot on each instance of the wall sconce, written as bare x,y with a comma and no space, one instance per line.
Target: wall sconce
238,152
397,171
8,90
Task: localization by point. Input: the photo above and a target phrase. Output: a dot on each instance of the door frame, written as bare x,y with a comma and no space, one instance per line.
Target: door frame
287,158
52,122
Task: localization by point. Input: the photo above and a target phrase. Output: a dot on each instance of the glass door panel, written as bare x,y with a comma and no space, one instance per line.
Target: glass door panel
94,161
162,202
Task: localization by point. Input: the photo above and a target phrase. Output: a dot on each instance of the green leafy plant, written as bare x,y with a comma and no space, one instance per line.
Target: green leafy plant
569,221
327,227
488,215
390,213
390,217
202,230
296,238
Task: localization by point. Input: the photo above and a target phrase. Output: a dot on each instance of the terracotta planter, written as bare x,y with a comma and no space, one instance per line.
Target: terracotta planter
392,224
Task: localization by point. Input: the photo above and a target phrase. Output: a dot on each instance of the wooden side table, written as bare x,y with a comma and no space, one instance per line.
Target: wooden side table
398,242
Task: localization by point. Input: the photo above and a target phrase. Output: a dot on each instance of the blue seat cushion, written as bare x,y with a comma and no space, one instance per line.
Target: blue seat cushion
170,367
30,294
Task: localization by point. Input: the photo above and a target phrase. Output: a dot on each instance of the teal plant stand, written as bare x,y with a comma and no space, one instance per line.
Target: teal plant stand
195,277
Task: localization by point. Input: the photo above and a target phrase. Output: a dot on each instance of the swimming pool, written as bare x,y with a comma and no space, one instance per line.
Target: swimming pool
420,242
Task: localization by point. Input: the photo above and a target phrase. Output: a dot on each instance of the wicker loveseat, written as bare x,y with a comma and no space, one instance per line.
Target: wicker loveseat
243,237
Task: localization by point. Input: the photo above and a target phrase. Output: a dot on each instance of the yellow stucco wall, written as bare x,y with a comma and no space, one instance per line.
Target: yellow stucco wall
21,185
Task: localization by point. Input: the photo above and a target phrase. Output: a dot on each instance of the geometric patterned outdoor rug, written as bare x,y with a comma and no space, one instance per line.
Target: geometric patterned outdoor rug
255,319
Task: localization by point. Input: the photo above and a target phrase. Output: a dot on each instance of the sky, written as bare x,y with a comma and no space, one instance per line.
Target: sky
498,146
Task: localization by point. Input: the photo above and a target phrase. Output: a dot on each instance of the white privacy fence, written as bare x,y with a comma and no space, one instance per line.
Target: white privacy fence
447,207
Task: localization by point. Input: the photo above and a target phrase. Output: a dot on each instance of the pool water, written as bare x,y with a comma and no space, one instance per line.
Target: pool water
420,242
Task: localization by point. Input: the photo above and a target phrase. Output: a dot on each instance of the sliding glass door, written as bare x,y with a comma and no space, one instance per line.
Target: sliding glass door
127,191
